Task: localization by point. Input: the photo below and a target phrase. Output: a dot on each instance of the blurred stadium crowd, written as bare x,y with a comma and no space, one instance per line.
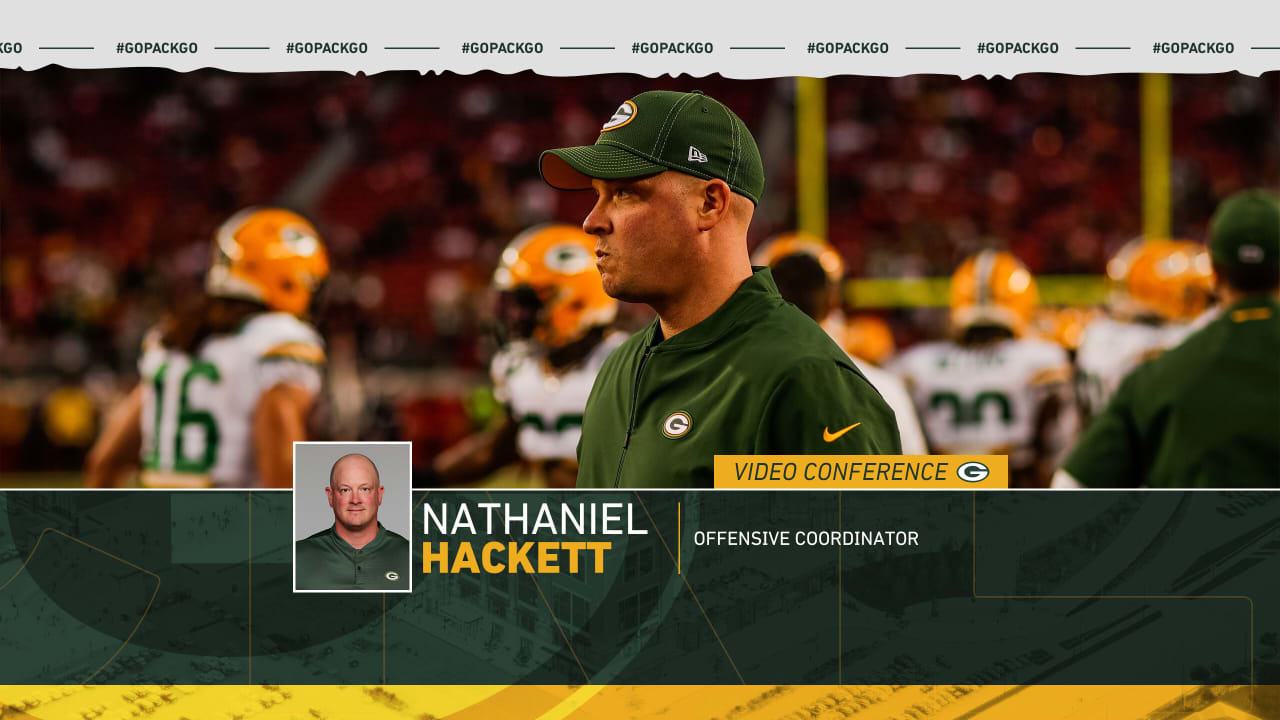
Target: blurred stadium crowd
112,181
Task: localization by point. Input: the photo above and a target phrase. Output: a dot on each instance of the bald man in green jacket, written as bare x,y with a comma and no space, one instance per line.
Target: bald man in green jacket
728,366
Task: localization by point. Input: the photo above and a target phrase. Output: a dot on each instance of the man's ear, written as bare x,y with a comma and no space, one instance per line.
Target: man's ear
713,204
328,492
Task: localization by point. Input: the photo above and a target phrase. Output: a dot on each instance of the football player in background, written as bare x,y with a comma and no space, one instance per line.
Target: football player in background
991,389
556,317
1158,289
869,338
1205,413
808,273
802,243
1064,325
227,383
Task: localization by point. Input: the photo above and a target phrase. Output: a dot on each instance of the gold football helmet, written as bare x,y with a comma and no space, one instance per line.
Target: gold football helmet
1170,279
269,255
780,246
869,338
549,271
992,288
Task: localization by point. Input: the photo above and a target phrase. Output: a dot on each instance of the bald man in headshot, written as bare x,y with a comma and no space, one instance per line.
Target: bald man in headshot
357,552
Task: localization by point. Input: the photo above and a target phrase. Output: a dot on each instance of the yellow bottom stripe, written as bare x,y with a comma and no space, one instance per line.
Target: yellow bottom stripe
607,702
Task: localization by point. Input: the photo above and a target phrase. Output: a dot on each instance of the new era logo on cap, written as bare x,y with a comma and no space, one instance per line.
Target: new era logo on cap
1252,254
696,155
1245,232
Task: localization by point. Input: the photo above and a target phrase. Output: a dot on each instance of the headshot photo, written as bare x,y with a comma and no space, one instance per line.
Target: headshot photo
351,517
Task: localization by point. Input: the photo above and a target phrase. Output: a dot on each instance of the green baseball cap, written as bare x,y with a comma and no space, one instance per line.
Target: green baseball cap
1245,231
663,130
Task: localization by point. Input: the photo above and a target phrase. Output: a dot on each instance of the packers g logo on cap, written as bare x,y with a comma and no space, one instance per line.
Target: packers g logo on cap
677,424
625,113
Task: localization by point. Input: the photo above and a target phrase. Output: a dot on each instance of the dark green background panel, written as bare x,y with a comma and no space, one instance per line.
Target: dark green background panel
1004,587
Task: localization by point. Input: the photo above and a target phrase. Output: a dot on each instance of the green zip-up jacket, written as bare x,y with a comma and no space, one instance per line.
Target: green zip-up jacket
757,376
325,561
1204,414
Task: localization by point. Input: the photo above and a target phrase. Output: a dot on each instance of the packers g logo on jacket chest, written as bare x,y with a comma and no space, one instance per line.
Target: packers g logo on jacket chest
677,425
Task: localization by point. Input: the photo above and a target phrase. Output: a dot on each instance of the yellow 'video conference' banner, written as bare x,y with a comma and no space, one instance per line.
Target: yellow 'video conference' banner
816,472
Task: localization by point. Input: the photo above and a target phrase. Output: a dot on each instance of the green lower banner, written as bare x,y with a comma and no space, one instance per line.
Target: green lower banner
946,588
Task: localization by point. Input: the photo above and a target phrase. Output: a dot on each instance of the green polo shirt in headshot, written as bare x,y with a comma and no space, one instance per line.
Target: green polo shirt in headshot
356,552
327,562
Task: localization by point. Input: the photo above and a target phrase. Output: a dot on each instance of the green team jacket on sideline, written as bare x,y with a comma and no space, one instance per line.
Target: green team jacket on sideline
325,561
1204,414
756,377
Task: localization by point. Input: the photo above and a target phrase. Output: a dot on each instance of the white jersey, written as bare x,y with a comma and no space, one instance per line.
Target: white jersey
983,400
1110,349
547,406
894,391
197,412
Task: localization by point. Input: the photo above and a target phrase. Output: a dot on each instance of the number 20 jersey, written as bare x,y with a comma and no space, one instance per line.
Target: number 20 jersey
197,412
983,399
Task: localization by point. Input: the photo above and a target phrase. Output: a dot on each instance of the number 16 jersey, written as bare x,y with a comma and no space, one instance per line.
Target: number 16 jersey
197,412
